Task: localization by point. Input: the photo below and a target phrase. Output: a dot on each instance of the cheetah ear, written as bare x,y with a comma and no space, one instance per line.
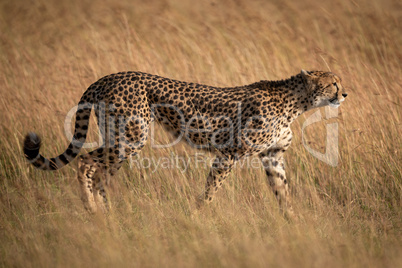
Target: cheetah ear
306,77
304,73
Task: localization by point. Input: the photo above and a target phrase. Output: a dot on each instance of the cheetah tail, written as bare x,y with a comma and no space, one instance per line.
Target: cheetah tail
32,143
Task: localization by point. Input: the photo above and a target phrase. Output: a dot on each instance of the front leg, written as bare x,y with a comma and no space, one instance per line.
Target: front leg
274,166
275,170
219,171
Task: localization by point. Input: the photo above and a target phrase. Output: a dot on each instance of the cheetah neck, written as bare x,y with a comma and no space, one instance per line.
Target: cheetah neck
295,97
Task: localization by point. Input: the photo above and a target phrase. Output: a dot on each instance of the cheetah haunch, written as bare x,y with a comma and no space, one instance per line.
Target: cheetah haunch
234,122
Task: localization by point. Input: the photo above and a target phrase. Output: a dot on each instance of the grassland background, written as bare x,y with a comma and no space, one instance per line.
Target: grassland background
350,215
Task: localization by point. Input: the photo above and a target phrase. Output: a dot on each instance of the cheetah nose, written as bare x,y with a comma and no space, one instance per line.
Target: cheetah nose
344,95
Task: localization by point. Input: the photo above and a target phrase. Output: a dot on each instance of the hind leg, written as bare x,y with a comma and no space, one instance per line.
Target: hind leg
97,167
86,171
99,193
220,169
101,181
124,132
93,179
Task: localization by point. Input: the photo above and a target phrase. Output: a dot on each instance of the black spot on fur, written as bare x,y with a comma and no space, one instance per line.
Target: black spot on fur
63,159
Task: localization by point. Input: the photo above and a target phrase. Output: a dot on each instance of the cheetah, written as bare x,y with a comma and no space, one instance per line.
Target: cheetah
233,122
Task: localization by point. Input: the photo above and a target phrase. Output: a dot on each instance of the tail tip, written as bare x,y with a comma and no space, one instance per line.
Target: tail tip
32,144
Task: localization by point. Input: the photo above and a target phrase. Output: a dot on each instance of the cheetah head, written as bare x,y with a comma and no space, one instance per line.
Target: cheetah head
324,88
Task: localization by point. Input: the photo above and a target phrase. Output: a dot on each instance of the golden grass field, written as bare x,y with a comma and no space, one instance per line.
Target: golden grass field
348,216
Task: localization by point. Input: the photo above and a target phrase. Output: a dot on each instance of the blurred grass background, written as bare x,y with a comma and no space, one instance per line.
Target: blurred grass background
51,51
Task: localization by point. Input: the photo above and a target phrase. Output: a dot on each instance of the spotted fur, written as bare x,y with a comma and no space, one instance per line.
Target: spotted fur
234,122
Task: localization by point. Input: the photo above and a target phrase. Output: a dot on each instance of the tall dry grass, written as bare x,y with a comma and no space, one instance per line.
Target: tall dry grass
350,215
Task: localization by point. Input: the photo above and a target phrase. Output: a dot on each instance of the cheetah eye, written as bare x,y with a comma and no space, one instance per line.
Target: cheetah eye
336,85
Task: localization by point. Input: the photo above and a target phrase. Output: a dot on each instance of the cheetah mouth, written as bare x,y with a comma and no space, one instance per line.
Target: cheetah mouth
334,103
